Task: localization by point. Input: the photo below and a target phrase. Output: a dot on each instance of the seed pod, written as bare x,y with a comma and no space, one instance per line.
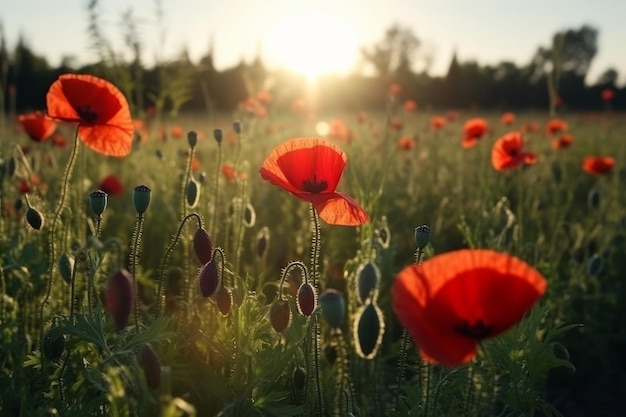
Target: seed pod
595,265
53,345
422,236
209,278
262,241
202,245
192,139
192,193
141,198
218,135
224,300
66,267
369,327
306,300
298,378
280,315
333,307
149,361
383,235
367,281
238,127
98,202
34,218
119,296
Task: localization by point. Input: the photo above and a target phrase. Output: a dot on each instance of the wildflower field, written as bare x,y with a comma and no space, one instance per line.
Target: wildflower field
280,263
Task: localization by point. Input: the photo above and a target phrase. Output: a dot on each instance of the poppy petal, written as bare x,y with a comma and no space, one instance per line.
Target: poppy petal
107,140
341,210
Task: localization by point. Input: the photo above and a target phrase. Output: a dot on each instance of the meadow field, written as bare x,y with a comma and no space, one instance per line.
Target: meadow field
196,273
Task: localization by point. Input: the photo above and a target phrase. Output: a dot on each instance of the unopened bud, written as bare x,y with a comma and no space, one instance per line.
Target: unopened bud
141,198
192,139
422,236
218,135
98,202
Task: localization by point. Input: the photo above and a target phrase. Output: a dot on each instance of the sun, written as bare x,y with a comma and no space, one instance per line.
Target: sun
311,43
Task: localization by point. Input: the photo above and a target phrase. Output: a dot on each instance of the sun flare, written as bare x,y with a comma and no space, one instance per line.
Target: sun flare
312,43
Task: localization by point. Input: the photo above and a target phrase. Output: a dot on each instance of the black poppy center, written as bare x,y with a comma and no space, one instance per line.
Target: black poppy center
87,114
314,185
477,331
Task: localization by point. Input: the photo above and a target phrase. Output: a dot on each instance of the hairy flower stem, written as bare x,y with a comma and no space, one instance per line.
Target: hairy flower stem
134,261
216,195
166,256
315,254
53,229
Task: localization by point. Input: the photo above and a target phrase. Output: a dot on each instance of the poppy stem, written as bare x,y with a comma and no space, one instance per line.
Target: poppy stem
285,273
315,245
53,229
217,189
134,260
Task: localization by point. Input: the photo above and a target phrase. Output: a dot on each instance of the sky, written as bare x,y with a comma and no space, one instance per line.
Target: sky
324,35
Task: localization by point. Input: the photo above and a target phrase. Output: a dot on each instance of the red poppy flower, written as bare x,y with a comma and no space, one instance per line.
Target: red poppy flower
410,105
26,185
338,129
310,169
508,118
452,116
395,89
556,126
37,126
607,94
598,165
437,122
177,132
99,108
298,105
406,143
264,97
396,125
228,170
474,129
563,142
60,141
452,301
112,185
507,153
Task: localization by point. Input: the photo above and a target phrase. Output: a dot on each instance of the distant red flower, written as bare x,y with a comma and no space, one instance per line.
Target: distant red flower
406,143
60,141
556,126
396,125
474,129
508,118
264,97
452,116
395,89
195,164
151,111
437,122
100,109
111,185
37,126
562,142
452,301
530,127
310,169
177,132
598,165
27,185
298,105
507,153
338,129
607,94
228,170
410,105
558,101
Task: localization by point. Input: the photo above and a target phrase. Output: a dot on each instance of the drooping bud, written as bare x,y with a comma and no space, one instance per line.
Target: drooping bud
66,267
98,202
280,315
209,278
298,378
149,361
224,300
262,241
141,198
119,296
306,300
218,135
422,236
367,281
202,245
192,193
369,328
333,307
238,127
34,218
53,345
192,139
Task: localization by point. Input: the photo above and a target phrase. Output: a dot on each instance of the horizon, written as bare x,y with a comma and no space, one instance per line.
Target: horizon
286,35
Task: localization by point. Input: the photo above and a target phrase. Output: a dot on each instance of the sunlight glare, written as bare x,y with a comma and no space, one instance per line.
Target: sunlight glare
312,43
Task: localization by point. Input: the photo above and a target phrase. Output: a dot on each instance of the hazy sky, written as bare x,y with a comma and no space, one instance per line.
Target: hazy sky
489,31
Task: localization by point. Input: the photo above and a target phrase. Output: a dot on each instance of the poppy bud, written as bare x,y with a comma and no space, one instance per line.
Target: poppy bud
306,299
367,281
369,328
98,202
218,135
280,315
384,236
238,127
119,296
595,265
192,139
34,218
249,215
141,198
192,193
333,307
224,300
66,267
149,361
203,245
422,236
53,345
298,378
209,278
262,241
174,282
